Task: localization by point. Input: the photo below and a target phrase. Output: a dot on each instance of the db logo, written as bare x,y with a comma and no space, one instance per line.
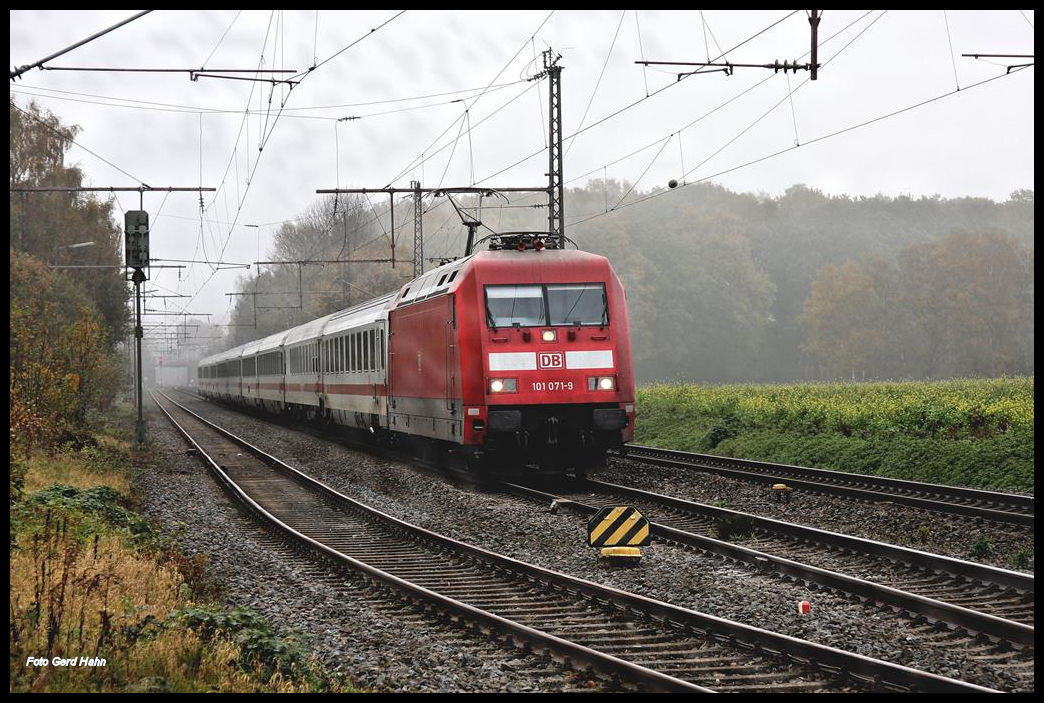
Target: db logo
550,360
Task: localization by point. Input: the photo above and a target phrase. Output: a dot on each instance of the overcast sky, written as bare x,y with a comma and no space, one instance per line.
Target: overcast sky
450,86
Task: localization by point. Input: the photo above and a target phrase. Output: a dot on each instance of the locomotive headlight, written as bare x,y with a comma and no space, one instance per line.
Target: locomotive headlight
503,385
601,383
549,335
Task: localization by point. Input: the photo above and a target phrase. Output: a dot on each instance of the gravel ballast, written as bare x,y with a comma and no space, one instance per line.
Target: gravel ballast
558,541
380,644
962,537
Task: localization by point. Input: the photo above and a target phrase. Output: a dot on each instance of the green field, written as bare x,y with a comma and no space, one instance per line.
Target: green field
975,433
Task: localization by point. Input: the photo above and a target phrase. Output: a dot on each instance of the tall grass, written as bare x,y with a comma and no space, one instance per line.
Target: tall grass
91,578
75,598
106,464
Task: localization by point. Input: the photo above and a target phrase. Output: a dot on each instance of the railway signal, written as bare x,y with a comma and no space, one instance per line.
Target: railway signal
136,228
136,231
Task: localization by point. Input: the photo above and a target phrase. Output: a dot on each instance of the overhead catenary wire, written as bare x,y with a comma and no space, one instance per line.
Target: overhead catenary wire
598,82
330,58
953,58
820,138
412,164
194,73
427,154
729,101
106,100
641,51
631,105
221,39
263,140
793,112
789,95
638,180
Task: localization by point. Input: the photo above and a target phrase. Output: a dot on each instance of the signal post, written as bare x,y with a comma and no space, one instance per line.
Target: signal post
136,229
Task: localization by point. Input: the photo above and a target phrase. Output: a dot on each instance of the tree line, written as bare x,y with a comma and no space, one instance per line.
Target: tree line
65,324
727,287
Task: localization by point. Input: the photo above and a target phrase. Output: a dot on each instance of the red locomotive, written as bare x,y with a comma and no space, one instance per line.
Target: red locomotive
516,356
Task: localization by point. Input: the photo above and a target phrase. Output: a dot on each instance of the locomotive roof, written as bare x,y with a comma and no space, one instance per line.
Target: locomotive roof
537,266
431,283
552,264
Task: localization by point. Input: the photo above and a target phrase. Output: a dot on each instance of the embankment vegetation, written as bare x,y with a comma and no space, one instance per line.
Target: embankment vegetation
976,433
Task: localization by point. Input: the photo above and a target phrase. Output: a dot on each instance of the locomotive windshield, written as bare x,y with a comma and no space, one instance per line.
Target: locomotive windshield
515,305
577,304
569,304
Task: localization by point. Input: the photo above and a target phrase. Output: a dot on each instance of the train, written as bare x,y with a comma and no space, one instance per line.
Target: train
513,358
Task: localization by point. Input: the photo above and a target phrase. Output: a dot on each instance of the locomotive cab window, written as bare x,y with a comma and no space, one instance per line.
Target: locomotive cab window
557,304
577,304
515,306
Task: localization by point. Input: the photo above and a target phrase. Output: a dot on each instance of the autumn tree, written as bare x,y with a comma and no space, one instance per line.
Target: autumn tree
60,364
44,224
699,303
64,323
336,228
969,297
846,319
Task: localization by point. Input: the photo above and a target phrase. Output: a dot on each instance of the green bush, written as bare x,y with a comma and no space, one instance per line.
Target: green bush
101,507
976,433
259,642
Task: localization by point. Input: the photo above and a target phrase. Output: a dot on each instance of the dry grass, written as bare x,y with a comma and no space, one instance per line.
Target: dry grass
80,469
79,588
72,598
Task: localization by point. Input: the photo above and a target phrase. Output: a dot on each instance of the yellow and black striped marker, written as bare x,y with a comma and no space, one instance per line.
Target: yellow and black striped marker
618,531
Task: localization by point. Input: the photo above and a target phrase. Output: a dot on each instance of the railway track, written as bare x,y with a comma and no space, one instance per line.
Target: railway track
1002,507
981,599
636,639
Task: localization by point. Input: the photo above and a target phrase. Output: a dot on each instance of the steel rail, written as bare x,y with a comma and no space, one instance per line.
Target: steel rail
1017,509
934,609
850,666
520,633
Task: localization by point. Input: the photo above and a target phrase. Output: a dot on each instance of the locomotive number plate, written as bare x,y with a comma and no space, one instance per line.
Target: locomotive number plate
552,385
